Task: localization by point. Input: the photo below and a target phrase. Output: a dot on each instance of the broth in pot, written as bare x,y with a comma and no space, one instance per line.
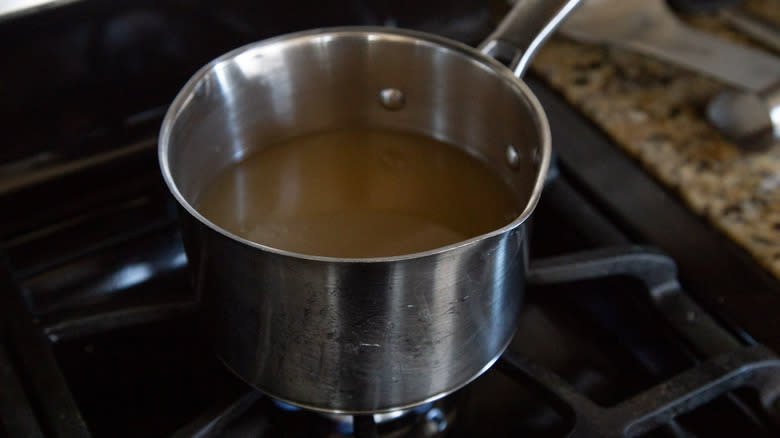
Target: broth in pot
359,193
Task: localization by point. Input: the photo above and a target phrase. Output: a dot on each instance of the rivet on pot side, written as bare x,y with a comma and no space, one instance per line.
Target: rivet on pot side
392,99
512,156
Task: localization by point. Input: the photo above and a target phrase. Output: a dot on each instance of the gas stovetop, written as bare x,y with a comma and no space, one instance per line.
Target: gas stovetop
99,327
100,338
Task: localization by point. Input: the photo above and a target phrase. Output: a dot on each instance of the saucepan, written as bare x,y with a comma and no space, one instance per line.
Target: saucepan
352,335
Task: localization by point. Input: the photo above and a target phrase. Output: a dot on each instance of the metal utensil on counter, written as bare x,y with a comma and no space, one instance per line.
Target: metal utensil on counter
749,114
736,16
758,29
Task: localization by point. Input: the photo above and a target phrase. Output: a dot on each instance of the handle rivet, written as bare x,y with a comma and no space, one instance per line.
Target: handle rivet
392,99
512,156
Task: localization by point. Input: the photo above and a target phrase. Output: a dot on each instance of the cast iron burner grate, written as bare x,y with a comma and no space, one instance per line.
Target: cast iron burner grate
113,319
738,366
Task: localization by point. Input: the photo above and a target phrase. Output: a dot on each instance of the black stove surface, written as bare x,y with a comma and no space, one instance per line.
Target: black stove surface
117,319
98,325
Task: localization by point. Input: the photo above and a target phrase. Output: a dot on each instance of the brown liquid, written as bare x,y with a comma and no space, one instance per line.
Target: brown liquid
359,193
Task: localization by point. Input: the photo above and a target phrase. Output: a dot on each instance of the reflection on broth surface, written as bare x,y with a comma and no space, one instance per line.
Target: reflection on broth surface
359,193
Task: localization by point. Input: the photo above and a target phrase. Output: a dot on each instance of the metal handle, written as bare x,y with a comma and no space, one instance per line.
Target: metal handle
524,29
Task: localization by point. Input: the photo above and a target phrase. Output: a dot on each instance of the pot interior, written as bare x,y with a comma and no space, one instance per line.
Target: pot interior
261,94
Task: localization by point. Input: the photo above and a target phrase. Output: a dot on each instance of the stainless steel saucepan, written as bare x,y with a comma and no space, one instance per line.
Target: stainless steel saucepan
362,335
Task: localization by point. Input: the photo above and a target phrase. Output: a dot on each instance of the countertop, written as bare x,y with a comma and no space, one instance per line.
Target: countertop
655,112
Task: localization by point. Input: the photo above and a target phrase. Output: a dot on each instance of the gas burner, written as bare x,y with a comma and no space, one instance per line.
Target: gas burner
430,414
256,414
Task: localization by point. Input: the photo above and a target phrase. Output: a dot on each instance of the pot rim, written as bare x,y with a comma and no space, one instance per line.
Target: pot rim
537,111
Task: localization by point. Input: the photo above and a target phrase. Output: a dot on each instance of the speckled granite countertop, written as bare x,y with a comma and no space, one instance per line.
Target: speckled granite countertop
655,110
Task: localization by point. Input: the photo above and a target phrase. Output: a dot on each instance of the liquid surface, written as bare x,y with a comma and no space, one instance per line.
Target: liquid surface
359,193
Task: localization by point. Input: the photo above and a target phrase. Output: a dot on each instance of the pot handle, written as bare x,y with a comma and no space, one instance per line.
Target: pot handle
523,31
